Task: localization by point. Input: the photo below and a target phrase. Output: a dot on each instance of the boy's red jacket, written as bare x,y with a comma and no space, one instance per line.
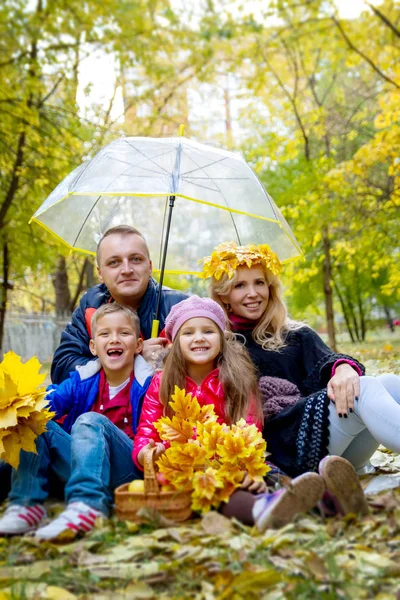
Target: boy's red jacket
209,392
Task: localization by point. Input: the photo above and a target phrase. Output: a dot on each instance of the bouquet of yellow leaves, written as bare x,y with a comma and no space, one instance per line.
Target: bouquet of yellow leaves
23,412
205,457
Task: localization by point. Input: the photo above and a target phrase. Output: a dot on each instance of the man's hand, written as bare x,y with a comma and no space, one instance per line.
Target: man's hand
257,487
344,388
160,448
152,347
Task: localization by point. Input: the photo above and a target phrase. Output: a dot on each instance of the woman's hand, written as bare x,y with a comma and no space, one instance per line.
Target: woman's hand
256,487
344,388
160,448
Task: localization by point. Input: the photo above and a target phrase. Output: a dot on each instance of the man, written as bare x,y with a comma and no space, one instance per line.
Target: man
124,267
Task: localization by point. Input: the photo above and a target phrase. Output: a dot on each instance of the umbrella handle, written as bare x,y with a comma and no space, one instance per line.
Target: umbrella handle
154,328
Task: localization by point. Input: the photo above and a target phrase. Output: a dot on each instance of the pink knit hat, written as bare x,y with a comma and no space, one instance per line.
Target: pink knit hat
191,308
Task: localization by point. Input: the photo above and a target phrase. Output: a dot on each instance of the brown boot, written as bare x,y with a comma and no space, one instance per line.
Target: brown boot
342,482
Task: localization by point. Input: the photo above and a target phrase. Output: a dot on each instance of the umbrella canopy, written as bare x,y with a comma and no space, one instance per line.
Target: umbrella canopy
218,198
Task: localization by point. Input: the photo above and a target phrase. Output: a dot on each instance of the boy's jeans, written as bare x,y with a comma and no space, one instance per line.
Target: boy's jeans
94,460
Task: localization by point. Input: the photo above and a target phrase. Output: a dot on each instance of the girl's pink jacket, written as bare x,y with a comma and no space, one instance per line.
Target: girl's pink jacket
209,392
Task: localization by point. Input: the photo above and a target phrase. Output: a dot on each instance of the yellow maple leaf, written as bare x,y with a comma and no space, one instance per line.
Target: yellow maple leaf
185,406
205,483
23,407
231,481
39,420
8,417
186,455
233,449
8,389
207,414
200,504
174,430
12,448
26,376
27,438
211,436
255,465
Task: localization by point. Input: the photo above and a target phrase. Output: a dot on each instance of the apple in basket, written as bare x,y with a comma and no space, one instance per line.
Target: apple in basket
137,485
162,480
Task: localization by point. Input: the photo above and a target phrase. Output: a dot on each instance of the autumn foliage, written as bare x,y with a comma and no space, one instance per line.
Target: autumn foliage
23,408
205,457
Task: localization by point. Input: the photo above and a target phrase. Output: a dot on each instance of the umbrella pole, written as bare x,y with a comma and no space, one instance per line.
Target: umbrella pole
156,322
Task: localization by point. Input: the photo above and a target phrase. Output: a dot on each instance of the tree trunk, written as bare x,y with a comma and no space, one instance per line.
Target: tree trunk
61,288
389,319
328,292
361,311
344,310
91,277
4,290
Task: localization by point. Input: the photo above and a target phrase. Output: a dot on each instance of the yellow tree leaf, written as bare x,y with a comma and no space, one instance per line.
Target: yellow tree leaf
184,405
12,449
8,417
8,389
233,448
205,483
26,376
27,438
174,430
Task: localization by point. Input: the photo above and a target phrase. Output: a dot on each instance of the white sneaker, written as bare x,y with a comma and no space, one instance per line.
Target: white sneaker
18,519
77,518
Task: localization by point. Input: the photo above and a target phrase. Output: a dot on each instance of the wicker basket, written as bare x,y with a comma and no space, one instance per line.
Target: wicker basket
172,505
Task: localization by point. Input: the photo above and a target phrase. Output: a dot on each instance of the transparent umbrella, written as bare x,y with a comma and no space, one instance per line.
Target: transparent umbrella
185,197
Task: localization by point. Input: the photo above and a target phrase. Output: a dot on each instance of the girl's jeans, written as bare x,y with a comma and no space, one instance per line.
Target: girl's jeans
375,420
94,460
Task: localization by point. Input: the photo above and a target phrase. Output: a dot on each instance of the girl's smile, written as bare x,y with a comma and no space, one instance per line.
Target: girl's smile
199,340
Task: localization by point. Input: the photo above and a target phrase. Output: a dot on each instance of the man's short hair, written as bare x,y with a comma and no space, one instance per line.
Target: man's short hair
113,307
123,230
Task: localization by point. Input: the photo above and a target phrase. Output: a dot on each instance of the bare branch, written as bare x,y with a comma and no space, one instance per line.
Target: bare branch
384,19
360,53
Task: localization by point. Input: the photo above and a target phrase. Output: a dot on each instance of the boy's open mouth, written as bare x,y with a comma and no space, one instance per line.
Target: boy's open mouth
114,352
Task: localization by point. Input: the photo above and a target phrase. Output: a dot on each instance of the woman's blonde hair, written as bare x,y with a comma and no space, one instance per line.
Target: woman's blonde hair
270,332
237,376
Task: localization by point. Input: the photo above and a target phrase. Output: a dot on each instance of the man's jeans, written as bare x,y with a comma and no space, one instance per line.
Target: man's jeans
94,460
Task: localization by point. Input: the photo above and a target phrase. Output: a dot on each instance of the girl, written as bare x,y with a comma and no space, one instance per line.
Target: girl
205,360
343,412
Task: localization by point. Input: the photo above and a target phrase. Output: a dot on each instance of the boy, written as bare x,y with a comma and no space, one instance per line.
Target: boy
92,451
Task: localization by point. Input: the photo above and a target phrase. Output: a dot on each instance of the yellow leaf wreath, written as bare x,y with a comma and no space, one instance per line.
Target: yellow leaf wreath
207,458
23,412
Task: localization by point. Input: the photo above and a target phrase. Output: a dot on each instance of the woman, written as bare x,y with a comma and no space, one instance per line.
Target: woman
342,412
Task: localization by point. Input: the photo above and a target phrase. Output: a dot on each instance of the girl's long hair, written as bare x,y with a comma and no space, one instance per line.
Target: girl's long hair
237,375
270,332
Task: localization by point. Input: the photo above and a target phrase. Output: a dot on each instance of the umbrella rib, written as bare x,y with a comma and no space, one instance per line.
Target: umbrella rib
124,162
150,159
127,170
210,164
146,158
85,221
227,206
